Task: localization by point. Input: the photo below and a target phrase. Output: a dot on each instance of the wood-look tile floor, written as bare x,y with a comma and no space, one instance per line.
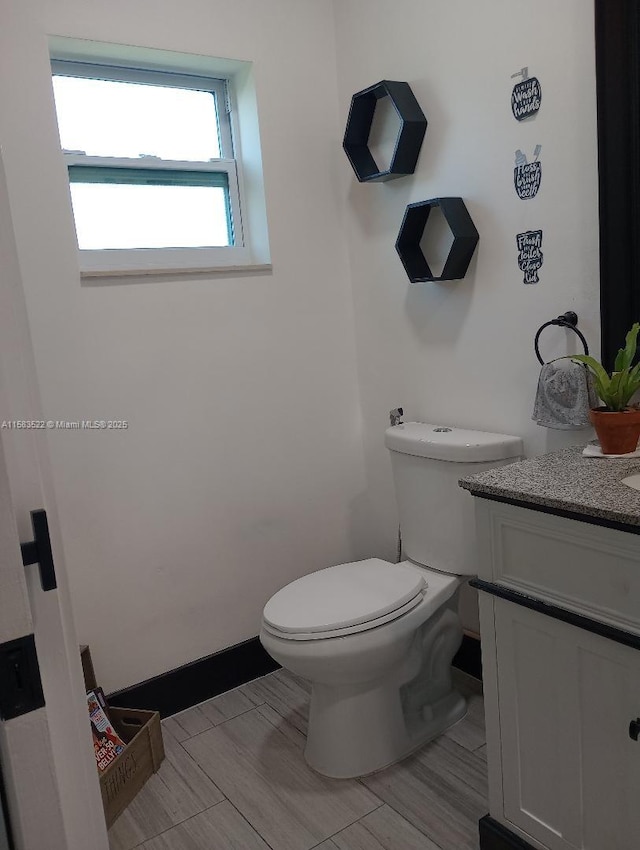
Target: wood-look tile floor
235,778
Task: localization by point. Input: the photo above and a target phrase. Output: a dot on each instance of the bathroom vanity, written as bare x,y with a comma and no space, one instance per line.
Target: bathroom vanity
559,582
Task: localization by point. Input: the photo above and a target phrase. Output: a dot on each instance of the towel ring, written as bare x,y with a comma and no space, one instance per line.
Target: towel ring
566,320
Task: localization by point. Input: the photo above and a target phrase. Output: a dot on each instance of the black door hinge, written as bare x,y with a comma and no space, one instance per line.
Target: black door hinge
39,550
20,683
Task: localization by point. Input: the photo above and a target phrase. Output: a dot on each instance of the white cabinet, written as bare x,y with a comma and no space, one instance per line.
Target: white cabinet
571,772
564,769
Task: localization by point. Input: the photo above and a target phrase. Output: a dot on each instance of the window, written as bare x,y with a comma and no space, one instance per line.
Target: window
153,178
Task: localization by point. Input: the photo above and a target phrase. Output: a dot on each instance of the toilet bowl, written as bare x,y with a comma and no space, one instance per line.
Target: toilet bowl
376,639
381,686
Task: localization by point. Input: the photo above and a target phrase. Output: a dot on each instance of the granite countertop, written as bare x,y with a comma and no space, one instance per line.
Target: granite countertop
589,487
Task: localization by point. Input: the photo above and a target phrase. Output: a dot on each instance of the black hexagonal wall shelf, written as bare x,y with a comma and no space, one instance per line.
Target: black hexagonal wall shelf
465,239
413,126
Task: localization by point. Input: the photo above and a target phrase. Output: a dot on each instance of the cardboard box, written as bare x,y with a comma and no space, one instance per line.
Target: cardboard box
141,758
125,776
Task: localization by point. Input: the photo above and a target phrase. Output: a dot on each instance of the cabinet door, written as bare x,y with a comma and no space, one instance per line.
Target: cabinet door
535,657
608,700
571,771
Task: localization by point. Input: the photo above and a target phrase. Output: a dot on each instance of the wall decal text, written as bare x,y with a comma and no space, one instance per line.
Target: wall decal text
530,256
527,175
526,96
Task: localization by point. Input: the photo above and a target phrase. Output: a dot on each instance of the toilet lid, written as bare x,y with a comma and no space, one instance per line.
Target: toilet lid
343,596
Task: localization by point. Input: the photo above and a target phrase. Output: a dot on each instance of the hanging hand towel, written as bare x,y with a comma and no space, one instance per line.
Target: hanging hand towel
565,394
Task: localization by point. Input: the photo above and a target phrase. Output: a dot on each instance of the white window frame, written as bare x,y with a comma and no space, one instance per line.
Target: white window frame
119,261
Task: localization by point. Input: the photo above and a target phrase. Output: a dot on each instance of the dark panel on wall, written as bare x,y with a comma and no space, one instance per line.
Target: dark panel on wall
617,26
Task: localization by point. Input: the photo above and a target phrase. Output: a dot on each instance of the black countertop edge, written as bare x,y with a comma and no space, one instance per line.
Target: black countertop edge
531,505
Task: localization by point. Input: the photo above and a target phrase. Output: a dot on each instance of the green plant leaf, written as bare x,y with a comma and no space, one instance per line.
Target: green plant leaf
632,391
634,374
613,391
598,370
603,391
623,386
625,355
627,383
618,389
633,382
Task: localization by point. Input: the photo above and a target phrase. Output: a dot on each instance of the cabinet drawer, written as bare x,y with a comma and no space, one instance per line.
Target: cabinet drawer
587,568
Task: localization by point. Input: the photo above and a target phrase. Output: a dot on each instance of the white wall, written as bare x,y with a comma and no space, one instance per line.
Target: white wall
242,467
461,353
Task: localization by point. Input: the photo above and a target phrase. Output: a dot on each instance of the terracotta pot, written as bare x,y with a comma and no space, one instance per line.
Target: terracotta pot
618,431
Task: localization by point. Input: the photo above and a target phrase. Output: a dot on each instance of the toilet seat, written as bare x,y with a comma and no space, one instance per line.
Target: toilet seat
349,598
346,630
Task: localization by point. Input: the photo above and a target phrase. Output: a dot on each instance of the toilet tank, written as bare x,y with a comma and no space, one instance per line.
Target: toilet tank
436,515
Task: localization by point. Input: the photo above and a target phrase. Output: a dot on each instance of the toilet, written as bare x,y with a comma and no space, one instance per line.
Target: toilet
376,639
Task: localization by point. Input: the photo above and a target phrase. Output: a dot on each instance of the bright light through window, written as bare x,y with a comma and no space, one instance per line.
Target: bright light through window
117,216
122,119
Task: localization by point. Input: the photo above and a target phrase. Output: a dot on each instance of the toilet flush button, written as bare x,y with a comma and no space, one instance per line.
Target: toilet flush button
442,430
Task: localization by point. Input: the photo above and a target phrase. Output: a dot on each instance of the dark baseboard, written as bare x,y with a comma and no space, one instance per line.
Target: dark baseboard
495,836
198,681
209,677
469,658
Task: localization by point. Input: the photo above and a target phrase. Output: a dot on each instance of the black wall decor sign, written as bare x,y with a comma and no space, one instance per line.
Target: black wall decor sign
527,176
530,256
526,96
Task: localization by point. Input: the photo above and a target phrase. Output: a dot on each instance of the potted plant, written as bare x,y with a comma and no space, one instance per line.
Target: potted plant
617,424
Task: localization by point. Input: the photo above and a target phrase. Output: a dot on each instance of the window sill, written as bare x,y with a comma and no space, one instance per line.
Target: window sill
177,262
176,271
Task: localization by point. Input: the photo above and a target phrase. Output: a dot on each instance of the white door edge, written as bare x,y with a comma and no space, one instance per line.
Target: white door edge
47,755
